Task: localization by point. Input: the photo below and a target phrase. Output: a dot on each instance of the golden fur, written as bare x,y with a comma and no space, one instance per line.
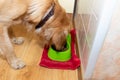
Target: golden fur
30,13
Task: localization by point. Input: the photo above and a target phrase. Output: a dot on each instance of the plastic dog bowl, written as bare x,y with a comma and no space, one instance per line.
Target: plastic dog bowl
61,55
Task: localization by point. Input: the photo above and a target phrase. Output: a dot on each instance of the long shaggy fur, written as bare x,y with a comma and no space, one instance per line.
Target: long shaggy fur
30,13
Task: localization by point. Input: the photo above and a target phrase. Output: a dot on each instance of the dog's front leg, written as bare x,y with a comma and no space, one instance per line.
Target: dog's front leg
14,39
7,49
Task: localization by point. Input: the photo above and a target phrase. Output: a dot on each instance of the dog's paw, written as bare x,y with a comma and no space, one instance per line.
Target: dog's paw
17,64
18,40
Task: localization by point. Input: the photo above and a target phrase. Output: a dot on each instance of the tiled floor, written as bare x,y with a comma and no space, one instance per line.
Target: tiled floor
108,64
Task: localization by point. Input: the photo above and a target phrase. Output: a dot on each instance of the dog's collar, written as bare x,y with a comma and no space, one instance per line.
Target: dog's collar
48,14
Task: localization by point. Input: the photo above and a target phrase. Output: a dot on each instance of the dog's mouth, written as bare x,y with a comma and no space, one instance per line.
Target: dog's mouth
64,48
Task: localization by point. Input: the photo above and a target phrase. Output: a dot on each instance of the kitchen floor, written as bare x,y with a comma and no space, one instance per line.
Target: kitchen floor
30,52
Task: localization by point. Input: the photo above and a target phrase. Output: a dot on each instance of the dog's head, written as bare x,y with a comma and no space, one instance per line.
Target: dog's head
56,26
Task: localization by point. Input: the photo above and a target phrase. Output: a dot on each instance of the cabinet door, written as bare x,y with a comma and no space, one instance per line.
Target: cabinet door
92,19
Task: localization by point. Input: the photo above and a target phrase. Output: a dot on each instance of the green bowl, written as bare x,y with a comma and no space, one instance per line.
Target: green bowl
61,55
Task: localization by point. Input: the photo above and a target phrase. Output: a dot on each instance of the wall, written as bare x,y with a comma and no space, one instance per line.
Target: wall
68,5
108,64
90,6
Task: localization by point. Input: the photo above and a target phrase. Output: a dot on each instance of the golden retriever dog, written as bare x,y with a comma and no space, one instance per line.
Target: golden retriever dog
46,17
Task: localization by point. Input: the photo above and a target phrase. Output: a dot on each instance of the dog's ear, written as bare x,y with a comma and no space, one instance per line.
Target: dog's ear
59,39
